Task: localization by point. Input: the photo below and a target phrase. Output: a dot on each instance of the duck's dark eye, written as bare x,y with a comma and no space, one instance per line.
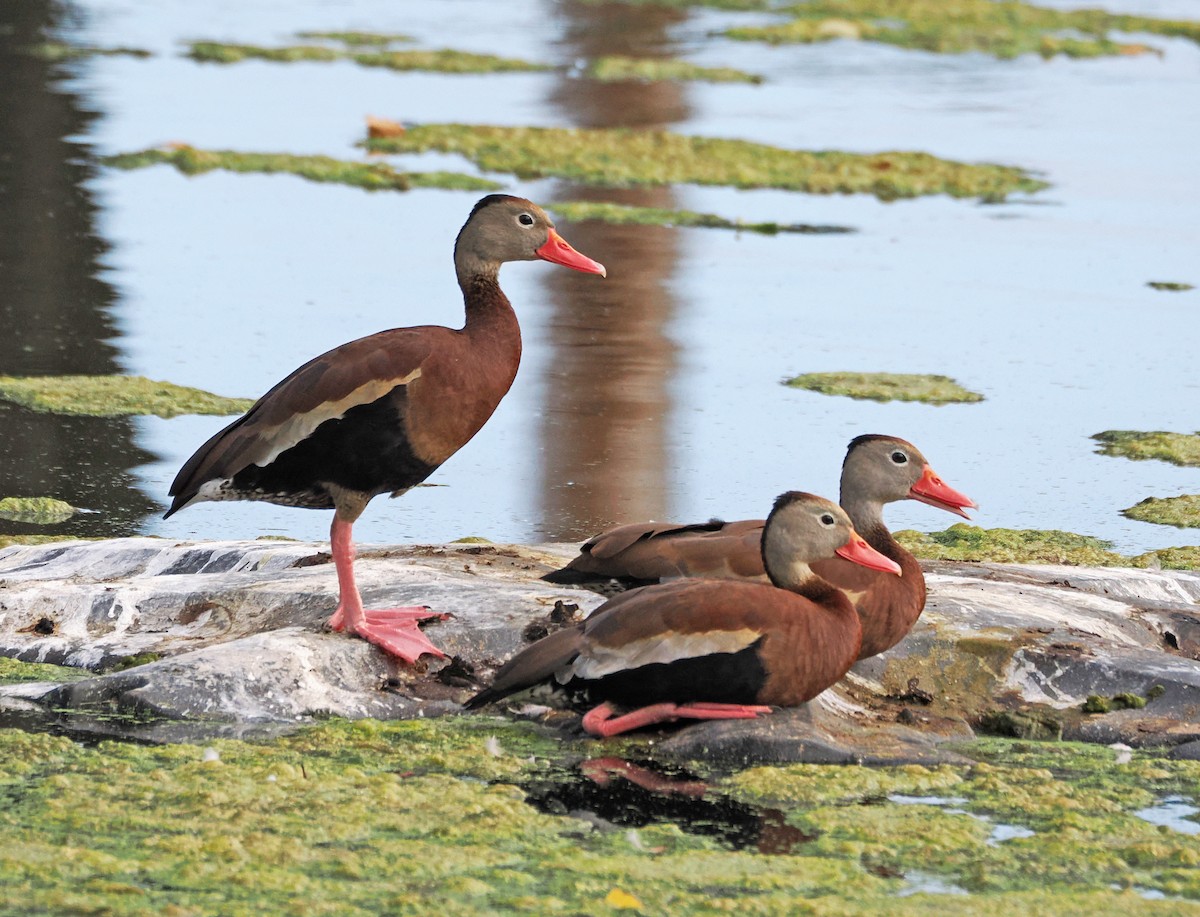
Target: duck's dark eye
827,519
899,458
525,219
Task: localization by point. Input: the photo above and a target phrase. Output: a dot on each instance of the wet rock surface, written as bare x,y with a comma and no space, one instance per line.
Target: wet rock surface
235,638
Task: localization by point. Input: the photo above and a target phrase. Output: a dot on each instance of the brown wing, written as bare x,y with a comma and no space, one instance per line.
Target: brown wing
648,551
801,645
324,388
682,618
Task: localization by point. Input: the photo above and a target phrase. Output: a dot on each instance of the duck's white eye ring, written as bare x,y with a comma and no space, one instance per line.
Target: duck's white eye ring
827,519
525,219
899,457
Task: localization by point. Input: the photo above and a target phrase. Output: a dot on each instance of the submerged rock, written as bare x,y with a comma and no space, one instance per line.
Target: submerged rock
228,638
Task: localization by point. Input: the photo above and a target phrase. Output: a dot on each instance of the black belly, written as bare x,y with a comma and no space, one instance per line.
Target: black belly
366,450
726,678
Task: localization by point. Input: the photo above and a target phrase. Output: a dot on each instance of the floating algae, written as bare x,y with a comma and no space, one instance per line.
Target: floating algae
623,214
113,396
58,50
622,157
371,176
38,510
358,38
1170,286
1182,511
615,68
1176,448
440,61
928,389
1002,29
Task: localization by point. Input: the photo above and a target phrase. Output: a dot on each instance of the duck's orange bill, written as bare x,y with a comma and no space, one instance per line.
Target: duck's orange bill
859,552
933,490
557,250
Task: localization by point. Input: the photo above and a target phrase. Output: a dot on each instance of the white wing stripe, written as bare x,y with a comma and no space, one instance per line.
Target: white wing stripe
300,426
597,661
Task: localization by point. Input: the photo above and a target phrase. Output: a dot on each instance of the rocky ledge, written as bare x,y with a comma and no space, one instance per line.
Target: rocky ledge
176,641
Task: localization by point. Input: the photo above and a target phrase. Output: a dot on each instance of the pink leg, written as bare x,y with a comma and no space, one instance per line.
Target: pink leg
602,721
392,629
601,770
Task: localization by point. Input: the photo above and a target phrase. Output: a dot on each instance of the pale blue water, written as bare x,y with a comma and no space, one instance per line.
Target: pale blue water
228,282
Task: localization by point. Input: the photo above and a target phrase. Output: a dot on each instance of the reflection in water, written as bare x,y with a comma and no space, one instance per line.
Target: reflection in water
605,420
54,308
635,794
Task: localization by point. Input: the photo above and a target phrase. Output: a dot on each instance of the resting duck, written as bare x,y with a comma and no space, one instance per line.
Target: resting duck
712,649
877,470
380,414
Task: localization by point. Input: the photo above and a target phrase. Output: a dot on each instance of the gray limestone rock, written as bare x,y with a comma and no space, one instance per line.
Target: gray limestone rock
235,632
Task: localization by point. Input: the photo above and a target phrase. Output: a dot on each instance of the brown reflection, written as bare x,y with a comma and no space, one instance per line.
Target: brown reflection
54,309
605,455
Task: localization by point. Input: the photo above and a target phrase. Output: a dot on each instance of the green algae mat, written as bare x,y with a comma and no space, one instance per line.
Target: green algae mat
1176,448
1004,30
371,176
37,510
439,61
971,543
113,396
409,818
927,389
1182,511
617,158
621,157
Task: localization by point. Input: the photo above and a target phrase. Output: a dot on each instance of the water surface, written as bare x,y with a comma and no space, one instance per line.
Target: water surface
653,394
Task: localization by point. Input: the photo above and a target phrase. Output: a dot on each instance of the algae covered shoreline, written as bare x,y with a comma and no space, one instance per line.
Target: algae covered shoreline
373,817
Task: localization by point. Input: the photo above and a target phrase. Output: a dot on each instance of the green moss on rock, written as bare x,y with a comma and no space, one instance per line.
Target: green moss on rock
1034,546
10,540
1026,724
38,510
113,396
616,68
623,214
1182,558
1004,29
963,542
928,389
1176,448
622,157
1182,511
1097,703
13,671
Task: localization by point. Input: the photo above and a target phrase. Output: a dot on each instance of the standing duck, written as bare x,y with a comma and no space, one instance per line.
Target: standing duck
877,470
707,648
380,414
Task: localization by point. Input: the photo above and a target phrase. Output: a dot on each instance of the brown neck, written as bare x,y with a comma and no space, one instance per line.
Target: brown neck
492,334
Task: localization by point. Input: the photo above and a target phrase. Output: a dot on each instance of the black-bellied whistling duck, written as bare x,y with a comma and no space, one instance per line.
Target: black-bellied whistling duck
381,413
710,648
877,470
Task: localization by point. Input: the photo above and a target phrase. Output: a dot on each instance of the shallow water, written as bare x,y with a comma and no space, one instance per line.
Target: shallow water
1175,813
654,393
